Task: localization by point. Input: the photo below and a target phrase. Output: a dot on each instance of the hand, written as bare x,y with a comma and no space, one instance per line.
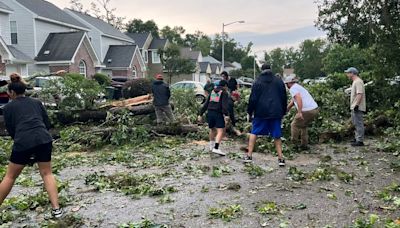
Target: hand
249,118
199,119
299,115
356,108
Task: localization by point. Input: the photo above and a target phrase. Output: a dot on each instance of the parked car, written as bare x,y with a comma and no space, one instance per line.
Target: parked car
246,79
198,88
243,84
41,82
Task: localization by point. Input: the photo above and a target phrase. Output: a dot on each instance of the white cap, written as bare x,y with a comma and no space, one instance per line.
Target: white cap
290,79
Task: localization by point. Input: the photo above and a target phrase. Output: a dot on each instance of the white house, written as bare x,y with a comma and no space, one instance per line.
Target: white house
35,24
11,59
205,71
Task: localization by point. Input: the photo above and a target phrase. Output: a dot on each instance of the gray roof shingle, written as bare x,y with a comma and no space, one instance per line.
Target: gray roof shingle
5,7
214,67
19,55
60,46
189,54
203,67
158,43
139,38
119,56
101,25
48,10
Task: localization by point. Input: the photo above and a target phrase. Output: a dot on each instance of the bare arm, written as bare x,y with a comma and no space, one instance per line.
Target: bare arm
290,106
358,98
299,102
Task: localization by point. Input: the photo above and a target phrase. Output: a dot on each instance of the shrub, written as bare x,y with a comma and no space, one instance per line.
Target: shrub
137,87
102,79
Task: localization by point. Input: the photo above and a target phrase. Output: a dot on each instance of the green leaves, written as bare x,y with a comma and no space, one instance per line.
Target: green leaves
227,213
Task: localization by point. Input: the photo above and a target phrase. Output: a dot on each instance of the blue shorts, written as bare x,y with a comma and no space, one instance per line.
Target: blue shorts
215,120
268,127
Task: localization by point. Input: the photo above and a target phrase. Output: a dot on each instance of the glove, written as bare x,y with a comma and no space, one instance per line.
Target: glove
356,108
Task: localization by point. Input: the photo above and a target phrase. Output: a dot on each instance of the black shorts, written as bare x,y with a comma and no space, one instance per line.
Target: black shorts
215,119
41,153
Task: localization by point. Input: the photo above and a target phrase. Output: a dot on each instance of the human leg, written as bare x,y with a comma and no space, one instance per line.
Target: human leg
159,114
169,114
359,125
13,171
50,183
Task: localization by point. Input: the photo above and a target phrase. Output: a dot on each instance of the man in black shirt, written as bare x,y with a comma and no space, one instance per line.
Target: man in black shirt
232,83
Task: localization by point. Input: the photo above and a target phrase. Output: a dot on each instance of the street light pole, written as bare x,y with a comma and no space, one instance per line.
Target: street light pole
254,67
223,41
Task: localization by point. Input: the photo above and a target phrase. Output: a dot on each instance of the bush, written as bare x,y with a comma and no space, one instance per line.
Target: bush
102,79
185,106
137,87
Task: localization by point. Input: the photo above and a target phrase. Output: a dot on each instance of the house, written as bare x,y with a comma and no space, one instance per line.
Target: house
11,59
197,58
37,28
215,69
237,65
205,71
154,58
125,60
69,51
143,41
118,52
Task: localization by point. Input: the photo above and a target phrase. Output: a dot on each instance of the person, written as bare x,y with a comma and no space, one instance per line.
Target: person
216,106
307,111
232,83
209,87
161,96
357,105
233,86
268,104
27,123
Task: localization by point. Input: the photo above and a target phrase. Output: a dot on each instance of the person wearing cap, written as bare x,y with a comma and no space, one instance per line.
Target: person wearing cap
307,111
357,105
216,106
268,104
232,83
161,96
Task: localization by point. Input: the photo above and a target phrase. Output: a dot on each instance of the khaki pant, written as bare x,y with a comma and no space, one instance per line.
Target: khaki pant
164,114
299,126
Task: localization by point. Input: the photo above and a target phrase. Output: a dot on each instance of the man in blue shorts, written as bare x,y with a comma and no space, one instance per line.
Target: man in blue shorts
268,103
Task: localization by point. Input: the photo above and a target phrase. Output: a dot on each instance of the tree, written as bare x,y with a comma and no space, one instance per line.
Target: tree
174,34
340,57
276,58
139,26
102,10
198,41
173,63
310,55
76,5
371,24
234,51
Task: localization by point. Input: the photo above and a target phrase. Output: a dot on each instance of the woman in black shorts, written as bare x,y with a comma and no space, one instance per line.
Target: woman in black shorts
27,123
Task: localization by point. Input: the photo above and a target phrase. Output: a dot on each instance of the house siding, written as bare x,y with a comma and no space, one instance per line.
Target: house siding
5,28
43,29
2,67
106,42
135,62
25,27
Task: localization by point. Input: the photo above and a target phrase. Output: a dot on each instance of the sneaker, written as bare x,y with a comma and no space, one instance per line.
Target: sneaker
281,162
57,213
218,151
247,159
357,143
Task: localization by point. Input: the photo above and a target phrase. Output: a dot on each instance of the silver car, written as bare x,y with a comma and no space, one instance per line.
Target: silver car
197,87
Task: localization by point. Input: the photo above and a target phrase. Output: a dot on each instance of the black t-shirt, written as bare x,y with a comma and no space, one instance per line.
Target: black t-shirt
232,84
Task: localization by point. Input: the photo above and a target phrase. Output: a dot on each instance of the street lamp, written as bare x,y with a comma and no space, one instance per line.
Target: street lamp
254,67
223,40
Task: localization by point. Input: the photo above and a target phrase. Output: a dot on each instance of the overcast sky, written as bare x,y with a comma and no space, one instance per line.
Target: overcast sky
269,23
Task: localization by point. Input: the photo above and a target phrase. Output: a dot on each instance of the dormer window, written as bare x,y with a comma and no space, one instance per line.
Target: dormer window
46,52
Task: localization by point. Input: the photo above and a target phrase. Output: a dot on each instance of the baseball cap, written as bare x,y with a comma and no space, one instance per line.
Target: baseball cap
352,70
290,78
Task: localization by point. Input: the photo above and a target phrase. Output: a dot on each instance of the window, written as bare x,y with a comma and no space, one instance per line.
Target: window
156,57
14,32
146,56
134,73
82,68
